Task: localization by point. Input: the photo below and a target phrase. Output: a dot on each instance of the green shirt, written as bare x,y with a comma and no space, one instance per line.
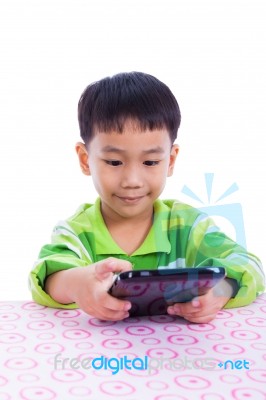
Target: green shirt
181,236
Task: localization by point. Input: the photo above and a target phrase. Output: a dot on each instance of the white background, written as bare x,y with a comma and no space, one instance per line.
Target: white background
211,53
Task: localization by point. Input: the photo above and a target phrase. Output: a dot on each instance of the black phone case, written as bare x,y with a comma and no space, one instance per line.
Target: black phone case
152,291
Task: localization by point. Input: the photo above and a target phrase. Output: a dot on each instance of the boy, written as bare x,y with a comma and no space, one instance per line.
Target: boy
128,124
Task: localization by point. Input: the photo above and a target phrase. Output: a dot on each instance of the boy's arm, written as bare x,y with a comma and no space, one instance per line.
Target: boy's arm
65,252
66,277
208,246
47,267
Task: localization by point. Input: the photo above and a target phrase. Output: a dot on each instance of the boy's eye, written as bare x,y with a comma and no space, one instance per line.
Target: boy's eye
151,163
114,163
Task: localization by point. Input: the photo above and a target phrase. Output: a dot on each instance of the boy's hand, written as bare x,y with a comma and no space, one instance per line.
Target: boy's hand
88,288
92,292
201,309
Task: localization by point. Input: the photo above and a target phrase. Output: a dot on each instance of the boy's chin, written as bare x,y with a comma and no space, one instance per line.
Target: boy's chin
128,208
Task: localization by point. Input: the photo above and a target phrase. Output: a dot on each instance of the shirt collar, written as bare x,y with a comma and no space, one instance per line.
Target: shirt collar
156,240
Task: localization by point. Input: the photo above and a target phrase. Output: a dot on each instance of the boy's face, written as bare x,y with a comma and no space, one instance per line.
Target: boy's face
129,170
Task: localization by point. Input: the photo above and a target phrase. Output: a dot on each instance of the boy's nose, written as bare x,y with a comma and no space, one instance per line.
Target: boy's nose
132,178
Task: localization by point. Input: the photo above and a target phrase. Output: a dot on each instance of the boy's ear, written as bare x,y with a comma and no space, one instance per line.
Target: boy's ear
83,158
173,155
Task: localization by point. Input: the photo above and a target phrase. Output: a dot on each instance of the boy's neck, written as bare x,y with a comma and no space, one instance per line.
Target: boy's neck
121,230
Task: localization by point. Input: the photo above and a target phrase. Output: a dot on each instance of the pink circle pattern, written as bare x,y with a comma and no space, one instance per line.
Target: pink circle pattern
43,354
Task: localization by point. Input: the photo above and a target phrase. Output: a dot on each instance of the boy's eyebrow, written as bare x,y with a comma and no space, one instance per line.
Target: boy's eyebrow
112,149
156,149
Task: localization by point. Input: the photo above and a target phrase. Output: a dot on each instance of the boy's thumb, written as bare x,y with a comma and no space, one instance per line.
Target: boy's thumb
110,265
104,268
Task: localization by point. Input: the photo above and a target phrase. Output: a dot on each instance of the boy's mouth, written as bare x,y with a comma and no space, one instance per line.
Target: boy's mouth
129,199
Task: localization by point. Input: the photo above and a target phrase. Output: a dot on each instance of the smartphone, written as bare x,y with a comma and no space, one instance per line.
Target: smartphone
152,291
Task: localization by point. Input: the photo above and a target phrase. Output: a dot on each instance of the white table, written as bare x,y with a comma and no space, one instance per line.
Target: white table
185,361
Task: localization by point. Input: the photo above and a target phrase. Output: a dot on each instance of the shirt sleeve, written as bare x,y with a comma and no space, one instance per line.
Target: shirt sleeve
65,251
208,246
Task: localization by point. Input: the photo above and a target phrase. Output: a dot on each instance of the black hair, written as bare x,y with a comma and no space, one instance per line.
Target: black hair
106,105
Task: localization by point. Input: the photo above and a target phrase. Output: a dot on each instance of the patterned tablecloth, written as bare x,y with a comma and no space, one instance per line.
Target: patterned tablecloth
50,354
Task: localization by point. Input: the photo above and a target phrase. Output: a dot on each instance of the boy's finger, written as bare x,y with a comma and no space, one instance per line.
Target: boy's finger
103,268
110,315
200,319
116,304
195,302
191,307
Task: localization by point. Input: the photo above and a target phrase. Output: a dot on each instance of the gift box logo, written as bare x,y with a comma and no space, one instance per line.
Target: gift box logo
231,212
